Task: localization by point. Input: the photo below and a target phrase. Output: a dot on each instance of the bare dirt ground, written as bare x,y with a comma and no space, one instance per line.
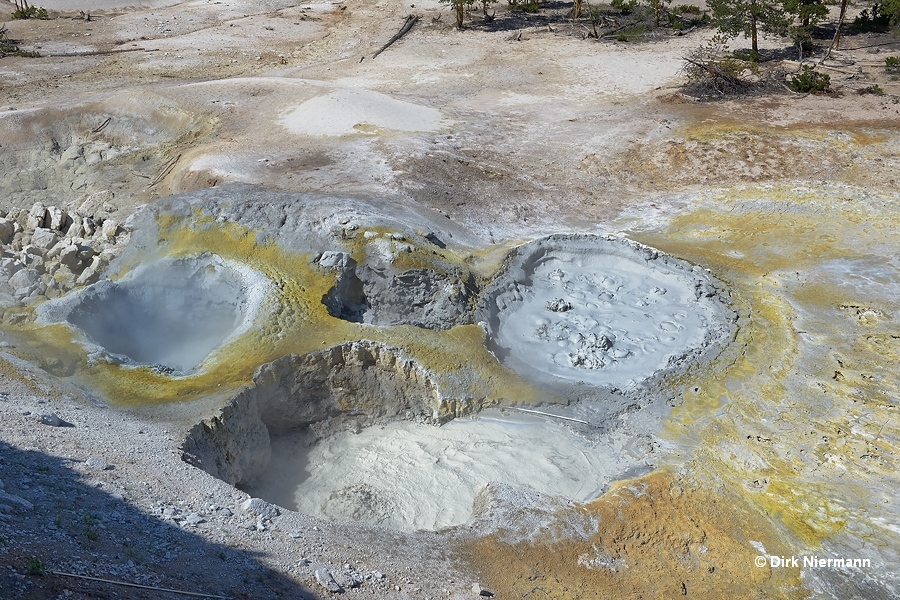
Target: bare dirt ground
784,446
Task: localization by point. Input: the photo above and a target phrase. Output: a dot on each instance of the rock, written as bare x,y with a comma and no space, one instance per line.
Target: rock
261,523
71,153
56,218
334,260
7,230
44,238
480,591
24,278
194,519
68,256
85,253
76,228
21,502
97,463
36,217
377,575
54,421
56,249
10,265
95,203
559,305
325,579
88,226
110,229
258,506
92,273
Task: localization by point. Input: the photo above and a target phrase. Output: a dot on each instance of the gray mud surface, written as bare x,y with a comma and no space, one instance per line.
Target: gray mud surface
170,314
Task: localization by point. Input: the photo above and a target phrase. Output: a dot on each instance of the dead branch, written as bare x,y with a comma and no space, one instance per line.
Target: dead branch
407,25
164,172
135,585
708,78
102,125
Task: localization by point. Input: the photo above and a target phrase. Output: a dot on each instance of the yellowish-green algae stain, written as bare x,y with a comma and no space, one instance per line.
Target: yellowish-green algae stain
294,320
801,418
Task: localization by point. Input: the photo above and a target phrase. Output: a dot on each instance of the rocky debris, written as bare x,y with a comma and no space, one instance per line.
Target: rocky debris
97,464
326,580
54,421
383,295
45,251
559,305
193,519
260,508
334,260
480,591
15,500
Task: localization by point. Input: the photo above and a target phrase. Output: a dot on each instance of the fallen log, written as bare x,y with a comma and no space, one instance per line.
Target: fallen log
407,25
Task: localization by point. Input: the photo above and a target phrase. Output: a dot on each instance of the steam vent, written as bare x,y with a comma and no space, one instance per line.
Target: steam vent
372,300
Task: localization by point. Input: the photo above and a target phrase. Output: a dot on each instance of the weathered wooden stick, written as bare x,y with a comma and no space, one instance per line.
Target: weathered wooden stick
164,172
135,585
546,414
407,25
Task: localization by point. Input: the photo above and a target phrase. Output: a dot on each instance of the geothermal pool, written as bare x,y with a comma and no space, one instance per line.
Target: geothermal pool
170,314
411,476
367,401
606,312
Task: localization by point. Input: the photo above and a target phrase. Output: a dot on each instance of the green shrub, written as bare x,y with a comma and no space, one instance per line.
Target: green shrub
802,38
25,11
873,89
9,47
872,21
624,6
526,6
892,64
37,567
808,80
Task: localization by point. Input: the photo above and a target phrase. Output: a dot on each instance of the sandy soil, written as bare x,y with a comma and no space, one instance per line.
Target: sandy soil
786,445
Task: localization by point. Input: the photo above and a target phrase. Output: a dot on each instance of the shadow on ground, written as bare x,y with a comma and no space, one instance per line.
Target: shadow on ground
54,520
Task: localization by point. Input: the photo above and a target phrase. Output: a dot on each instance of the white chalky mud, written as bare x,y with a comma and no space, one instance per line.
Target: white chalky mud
603,311
170,314
411,476
357,111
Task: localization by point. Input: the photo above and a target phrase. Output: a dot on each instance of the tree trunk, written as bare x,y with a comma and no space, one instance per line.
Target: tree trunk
576,10
460,13
837,35
656,7
754,45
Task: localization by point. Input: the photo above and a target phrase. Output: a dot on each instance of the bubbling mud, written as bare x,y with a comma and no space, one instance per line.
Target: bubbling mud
600,310
170,314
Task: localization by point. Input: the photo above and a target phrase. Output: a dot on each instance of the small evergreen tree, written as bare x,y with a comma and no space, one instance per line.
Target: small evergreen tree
809,12
749,17
891,9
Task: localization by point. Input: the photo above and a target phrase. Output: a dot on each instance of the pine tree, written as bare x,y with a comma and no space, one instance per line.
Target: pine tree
749,17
